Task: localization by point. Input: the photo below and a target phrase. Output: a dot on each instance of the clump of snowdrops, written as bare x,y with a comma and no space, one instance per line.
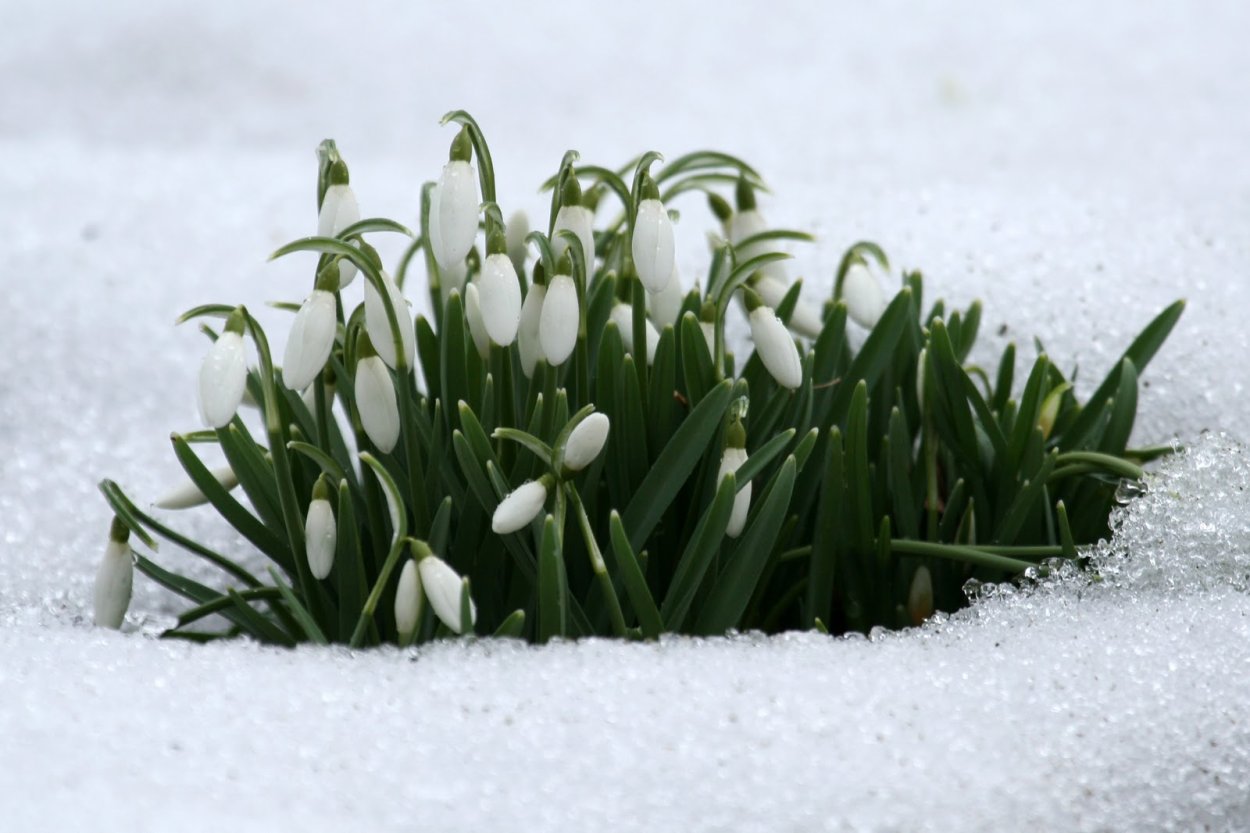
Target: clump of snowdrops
568,447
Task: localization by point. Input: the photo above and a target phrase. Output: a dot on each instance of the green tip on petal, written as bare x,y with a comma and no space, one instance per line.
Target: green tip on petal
744,194
650,191
328,277
571,193
118,531
364,346
338,173
420,549
565,266
461,146
540,275
752,299
322,489
736,435
237,320
497,243
719,207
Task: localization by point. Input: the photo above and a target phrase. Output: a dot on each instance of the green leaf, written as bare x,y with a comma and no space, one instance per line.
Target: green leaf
553,607
739,577
512,627
301,614
826,538
373,224
695,559
673,467
635,582
762,456
1116,435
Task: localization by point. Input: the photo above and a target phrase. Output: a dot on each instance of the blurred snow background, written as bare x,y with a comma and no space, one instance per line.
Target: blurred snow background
1076,166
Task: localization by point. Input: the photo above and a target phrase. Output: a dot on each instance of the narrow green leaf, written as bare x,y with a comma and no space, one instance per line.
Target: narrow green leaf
698,554
635,582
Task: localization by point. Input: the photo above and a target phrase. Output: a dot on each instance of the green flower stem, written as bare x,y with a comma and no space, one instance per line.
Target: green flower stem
968,555
596,562
288,500
1106,462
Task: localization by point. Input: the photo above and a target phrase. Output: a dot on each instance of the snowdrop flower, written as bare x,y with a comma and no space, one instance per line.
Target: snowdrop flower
375,398
622,316
320,531
311,339
773,343
557,328
805,320
409,601
731,460
664,306
586,441
379,326
114,579
862,293
521,506
920,596
443,588
747,222
473,316
501,293
223,375
577,218
339,210
529,342
453,224
652,245
187,495
518,228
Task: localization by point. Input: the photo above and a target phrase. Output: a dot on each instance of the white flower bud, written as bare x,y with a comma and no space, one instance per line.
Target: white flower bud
113,581
379,327
581,221
557,330
653,245
443,588
665,306
339,210
920,596
453,226
528,341
775,347
748,223
188,494
731,460
517,230
409,600
375,398
223,376
520,507
320,537
473,316
623,316
586,441
805,320
500,299
862,293
311,340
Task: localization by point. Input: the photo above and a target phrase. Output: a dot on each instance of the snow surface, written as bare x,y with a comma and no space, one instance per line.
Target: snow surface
1076,167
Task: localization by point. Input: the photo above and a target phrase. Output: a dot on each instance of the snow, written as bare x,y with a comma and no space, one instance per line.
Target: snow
1076,167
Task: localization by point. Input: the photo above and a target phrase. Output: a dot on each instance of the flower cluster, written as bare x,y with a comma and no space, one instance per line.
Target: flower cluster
557,440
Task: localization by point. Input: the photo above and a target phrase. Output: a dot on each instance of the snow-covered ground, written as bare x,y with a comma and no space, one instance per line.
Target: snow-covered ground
1076,167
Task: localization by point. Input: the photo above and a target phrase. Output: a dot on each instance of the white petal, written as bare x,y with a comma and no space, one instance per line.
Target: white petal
223,376
528,341
665,306
864,300
500,299
378,325
746,224
579,220
623,316
113,583
442,587
409,599
339,210
805,320
557,329
188,494
776,348
653,245
518,228
520,507
473,315
311,339
457,213
320,537
586,441
375,397
920,596
731,460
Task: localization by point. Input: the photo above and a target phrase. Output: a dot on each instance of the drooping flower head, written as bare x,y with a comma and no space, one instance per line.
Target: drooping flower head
312,334
375,397
773,342
652,246
454,209
558,326
734,455
223,375
521,506
579,219
501,292
114,579
320,530
586,441
337,211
